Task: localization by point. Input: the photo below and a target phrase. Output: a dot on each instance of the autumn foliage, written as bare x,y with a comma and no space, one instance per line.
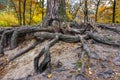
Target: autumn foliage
35,11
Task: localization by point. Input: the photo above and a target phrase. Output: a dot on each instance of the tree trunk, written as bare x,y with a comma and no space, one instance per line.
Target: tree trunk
30,12
114,5
97,6
24,10
20,17
86,12
42,6
55,11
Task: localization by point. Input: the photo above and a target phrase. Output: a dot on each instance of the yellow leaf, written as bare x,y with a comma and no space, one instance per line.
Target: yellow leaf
49,76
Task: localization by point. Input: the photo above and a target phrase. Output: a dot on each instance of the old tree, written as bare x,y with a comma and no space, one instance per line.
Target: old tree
55,27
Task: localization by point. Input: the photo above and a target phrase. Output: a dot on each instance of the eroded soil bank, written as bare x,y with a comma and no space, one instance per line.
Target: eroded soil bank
65,61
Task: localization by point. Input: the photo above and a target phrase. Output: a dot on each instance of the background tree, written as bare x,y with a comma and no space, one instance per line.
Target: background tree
114,11
24,10
56,10
20,16
86,11
97,6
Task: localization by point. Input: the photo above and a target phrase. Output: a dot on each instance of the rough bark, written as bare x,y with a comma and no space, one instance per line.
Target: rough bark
62,37
55,12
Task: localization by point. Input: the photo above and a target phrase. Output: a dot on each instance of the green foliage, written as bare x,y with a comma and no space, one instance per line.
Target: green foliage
79,63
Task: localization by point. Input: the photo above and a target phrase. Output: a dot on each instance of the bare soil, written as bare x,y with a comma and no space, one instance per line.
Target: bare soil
64,61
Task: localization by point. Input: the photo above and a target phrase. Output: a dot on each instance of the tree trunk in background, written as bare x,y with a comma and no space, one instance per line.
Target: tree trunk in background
114,11
86,12
56,10
20,17
30,12
42,6
97,6
24,10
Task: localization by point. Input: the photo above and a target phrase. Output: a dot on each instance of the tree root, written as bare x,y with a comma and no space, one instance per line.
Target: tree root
51,34
87,50
81,75
14,34
62,37
25,30
109,28
99,39
32,46
3,40
45,51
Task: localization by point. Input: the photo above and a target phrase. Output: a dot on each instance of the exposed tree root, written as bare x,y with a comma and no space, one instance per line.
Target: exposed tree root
81,75
62,37
15,33
87,50
88,27
3,40
109,28
99,39
32,46
25,30
45,51
70,35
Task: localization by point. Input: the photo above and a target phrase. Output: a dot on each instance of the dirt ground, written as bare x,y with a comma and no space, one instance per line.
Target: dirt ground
66,55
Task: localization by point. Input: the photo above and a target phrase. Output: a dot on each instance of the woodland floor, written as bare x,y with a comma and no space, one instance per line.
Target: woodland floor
64,60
